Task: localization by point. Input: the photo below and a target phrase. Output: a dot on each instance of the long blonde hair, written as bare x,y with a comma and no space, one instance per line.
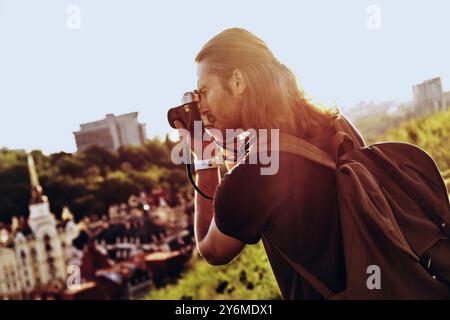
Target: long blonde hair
273,98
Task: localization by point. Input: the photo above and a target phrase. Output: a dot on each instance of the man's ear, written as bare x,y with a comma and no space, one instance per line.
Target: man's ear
237,83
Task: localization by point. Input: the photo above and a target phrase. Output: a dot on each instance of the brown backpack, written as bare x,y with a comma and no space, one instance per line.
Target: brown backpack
394,206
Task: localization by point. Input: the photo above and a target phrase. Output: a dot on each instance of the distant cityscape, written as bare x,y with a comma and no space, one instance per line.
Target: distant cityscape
427,97
138,245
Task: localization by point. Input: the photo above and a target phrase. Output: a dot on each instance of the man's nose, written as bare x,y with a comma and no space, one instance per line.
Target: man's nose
203,107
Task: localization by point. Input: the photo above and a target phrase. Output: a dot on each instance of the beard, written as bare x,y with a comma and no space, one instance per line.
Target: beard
228,117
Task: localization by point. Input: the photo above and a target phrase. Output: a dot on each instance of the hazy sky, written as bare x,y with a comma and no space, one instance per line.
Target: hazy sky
139,56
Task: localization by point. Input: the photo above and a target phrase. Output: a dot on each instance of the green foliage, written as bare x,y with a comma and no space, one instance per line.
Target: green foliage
89,181
375,125
431,133
249,276
9,159
14,188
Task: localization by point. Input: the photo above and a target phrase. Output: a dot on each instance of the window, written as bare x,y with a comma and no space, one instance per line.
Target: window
48,247
33,254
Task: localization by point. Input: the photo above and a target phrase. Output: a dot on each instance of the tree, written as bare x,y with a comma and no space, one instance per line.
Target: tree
117,188
133,155
104,159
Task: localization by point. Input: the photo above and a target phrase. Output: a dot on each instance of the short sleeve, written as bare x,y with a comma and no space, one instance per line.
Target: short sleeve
240,203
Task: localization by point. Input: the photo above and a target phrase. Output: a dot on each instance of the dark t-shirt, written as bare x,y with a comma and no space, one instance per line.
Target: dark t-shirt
297,209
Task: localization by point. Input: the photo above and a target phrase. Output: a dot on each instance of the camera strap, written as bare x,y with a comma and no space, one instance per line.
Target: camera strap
247,144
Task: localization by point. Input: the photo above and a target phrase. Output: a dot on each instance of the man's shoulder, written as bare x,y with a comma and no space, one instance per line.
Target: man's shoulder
251,165
251,176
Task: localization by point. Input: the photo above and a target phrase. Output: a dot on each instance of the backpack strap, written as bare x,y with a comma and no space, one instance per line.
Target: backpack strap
346,138
341,143
312,280
302,148
342,124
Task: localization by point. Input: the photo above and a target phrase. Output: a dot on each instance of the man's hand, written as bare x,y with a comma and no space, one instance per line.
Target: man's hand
216,247
196,145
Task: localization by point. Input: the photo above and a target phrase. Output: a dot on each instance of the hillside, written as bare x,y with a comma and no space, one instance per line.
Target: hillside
431,133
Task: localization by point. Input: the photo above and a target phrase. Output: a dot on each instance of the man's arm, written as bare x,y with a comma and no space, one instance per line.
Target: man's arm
216,247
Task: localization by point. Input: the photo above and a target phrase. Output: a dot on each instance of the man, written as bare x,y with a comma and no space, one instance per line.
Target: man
242,85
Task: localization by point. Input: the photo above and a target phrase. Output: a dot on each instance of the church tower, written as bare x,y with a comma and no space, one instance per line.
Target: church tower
48,247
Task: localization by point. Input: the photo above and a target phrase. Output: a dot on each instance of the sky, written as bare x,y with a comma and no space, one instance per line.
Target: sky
63,63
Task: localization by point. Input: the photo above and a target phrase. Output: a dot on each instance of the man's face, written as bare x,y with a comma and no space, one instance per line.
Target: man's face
217,103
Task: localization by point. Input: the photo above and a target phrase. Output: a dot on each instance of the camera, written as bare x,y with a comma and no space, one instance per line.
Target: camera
187,112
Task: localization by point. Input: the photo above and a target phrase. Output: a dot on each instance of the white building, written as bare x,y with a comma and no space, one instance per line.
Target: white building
112,132
10,284
38,256
428,96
